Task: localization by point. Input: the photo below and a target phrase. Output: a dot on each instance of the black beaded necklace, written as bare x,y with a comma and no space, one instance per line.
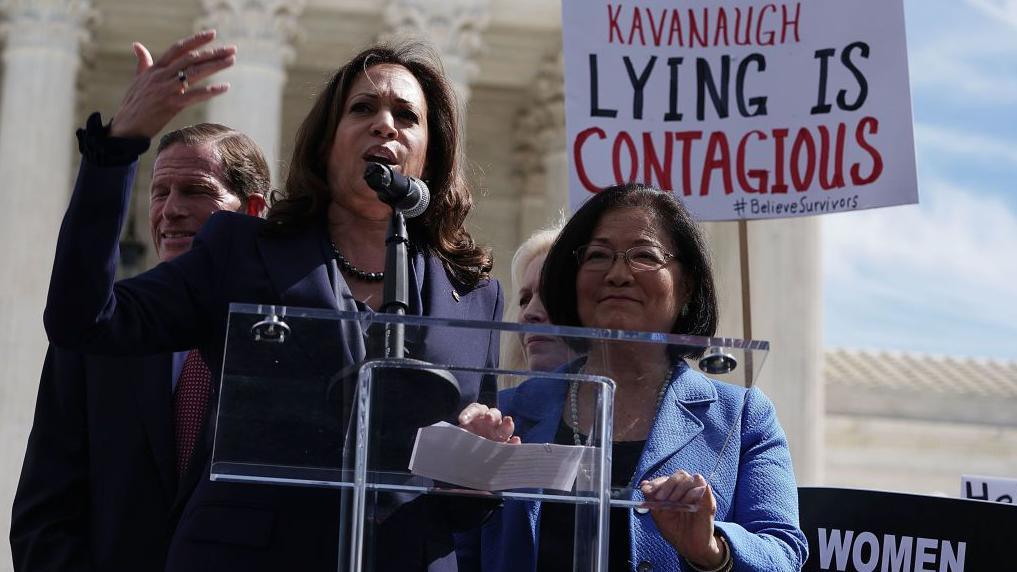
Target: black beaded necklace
352,270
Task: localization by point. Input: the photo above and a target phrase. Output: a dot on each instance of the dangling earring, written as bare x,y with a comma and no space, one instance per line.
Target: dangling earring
685,310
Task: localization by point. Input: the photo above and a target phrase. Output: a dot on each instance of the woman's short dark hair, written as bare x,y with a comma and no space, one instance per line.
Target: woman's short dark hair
442,226
558,276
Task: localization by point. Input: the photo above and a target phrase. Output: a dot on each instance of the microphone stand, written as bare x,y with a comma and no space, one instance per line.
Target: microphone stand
395,298
407,393
408,397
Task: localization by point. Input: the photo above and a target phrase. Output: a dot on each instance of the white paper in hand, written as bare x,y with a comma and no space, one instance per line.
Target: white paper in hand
451,454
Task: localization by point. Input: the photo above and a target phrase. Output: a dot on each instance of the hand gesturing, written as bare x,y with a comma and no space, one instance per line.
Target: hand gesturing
161,89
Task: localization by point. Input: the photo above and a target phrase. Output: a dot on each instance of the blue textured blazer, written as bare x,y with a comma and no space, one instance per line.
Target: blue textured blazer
757,499
185,303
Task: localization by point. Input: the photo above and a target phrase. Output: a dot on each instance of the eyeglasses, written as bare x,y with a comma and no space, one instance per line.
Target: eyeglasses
642,258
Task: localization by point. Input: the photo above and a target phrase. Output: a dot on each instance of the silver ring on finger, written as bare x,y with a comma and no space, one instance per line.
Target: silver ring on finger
182,78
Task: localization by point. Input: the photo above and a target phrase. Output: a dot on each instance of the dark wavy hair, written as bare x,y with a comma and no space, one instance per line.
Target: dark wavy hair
245,171
442,226
558,276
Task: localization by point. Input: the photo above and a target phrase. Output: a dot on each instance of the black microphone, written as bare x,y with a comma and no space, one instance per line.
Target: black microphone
409,195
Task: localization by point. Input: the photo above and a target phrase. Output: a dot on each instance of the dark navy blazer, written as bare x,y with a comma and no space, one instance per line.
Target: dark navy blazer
184,304
754,484
98,486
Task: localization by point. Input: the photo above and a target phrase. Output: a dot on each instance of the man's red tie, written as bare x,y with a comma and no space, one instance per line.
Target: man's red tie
190,403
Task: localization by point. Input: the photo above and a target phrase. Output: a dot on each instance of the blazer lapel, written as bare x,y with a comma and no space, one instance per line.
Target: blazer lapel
154,394
305,275
676,425
439,295
299,269
435,295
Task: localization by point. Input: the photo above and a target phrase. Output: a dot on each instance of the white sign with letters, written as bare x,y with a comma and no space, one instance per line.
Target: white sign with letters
996,489
745,109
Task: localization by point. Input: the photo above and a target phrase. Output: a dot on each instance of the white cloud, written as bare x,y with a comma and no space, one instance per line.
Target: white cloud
972,145
914,277
969,52
1005,10
959,71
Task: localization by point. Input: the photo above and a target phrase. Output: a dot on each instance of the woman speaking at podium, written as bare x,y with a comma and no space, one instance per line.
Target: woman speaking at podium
322,246
632,258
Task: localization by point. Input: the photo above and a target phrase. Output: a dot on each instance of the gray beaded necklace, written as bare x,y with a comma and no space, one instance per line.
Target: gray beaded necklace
574,404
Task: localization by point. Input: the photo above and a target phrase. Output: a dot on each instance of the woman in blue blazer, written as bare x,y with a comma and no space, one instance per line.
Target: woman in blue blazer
323,246
633,259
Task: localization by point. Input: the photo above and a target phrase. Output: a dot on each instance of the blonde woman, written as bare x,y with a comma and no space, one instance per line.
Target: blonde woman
531,351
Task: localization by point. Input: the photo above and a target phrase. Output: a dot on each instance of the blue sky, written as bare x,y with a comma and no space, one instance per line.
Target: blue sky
941,277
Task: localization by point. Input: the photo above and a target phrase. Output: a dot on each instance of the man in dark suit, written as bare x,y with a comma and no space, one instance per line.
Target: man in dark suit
109,461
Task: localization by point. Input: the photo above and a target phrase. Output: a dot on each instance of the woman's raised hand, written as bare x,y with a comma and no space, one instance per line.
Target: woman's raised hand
691,533
488,422
163,88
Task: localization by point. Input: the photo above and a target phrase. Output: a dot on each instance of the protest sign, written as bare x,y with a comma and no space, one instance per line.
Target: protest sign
744,109
996,489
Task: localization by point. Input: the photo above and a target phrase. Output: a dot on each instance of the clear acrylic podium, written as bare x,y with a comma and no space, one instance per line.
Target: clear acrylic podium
307,400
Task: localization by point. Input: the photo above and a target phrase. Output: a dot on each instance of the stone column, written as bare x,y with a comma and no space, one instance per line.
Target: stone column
541,153
264,32
529,174
787,310
552,138
41,58
454,27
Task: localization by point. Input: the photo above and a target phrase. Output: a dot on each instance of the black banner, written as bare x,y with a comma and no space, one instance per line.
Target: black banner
870,531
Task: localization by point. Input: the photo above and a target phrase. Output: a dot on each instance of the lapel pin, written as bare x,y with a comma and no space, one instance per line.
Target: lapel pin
455,295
